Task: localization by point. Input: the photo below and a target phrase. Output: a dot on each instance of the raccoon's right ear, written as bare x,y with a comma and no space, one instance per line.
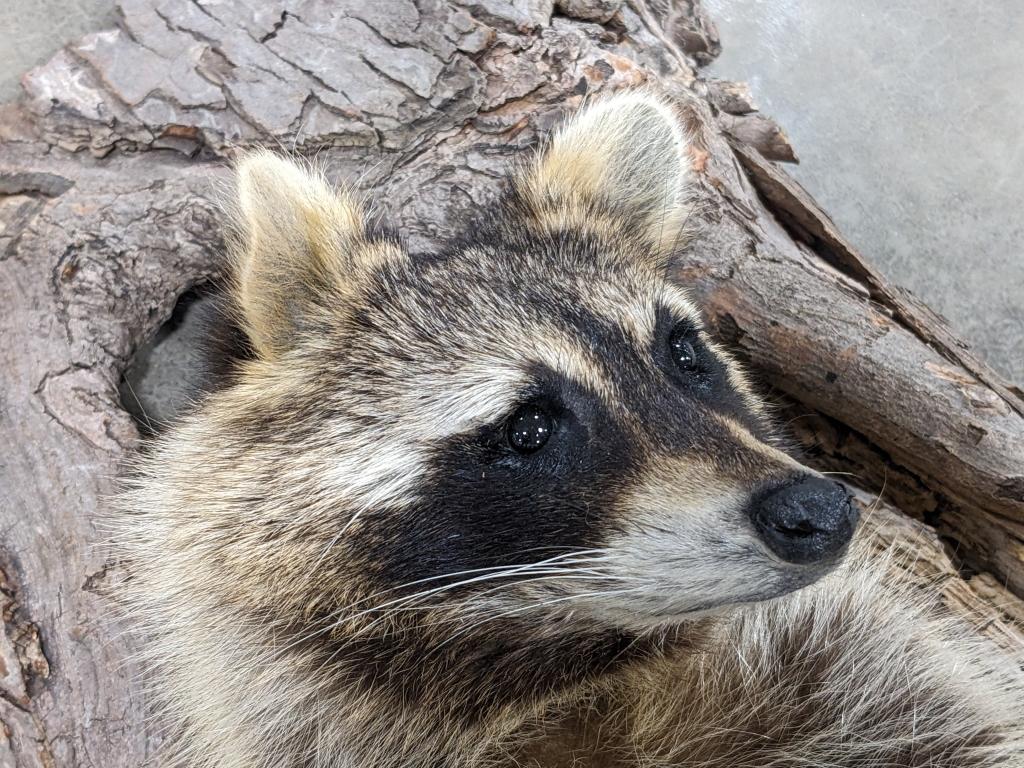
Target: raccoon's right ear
620,158
300,250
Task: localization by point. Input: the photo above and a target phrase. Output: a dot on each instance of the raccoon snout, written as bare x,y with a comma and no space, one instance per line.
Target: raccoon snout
806,522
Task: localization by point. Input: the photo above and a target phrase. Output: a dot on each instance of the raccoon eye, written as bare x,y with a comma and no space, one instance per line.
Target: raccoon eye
683,351
529,429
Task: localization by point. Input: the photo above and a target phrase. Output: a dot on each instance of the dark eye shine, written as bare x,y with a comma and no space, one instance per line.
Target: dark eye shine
681,345
529,429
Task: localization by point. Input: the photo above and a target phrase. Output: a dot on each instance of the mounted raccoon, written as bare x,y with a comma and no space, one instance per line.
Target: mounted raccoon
510,504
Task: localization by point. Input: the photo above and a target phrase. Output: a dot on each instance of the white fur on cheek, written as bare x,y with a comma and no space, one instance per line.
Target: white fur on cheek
688,547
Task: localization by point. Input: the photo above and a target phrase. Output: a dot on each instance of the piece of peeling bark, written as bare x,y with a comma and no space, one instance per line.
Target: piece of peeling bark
760,133
731,97
108,176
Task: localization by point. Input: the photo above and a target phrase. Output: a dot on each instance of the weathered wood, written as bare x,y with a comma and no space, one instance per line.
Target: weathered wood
107,172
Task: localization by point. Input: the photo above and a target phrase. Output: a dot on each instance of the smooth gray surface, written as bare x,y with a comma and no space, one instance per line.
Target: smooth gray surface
907,116
33,29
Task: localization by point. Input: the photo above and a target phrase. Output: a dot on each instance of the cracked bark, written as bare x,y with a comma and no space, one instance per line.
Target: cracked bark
107,168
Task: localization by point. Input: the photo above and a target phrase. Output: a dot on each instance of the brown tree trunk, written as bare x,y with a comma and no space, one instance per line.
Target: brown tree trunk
107,170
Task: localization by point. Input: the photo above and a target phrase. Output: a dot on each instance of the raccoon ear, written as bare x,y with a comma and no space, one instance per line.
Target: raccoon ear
625,156
300,249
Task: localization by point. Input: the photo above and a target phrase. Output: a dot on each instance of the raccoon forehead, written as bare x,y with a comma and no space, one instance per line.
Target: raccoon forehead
678,301
489,383
620,293
638,316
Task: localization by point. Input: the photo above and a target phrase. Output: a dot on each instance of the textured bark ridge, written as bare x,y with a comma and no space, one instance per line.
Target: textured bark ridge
108,167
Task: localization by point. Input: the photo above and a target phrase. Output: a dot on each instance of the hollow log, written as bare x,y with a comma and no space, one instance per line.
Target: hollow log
108,171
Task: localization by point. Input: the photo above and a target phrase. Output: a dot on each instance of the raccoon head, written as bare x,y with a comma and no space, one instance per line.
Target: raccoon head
530,426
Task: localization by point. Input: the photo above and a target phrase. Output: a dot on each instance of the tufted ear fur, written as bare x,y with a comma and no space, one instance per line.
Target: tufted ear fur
622,158
300,248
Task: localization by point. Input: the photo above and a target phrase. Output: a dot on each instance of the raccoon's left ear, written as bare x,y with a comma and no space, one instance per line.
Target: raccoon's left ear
624,157
300,248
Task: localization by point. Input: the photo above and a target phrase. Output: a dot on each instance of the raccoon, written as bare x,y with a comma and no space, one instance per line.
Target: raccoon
510,504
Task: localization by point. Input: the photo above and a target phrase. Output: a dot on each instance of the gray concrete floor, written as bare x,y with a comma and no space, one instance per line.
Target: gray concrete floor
907,115
33,30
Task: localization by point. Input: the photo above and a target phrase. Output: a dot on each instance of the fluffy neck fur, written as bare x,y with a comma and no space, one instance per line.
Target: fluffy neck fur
851,672
412,696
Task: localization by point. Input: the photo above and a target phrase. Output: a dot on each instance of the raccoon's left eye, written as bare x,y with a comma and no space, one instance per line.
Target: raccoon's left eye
529,429
681,344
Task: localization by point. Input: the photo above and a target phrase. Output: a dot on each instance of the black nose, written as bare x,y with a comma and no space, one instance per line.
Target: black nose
806,522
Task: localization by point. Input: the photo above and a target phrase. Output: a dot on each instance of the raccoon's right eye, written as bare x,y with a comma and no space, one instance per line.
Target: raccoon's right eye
684,353
529,429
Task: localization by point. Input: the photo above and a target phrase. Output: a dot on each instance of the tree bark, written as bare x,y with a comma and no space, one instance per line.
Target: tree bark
108,168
